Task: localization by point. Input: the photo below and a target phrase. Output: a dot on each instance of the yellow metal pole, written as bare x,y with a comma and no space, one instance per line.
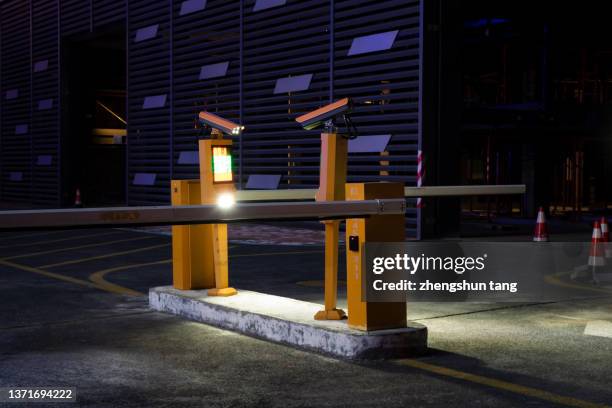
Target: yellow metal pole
332,230
217,235
332,180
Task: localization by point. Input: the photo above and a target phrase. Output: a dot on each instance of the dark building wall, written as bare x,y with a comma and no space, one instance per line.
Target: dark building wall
219,55
536,104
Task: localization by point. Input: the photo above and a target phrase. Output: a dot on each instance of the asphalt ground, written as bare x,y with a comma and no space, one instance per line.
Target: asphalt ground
73,313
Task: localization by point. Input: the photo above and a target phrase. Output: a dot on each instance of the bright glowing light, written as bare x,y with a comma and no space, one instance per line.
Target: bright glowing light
237,130
226,200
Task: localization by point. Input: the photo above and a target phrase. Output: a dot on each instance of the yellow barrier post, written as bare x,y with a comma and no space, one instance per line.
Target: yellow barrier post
192,256
332,180
215,180
377,228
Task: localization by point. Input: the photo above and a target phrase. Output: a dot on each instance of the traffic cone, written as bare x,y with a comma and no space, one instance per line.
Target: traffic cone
540,233
605,237
77,199
596,256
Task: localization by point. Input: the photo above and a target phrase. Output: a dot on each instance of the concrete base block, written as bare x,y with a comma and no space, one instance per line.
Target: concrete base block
288,321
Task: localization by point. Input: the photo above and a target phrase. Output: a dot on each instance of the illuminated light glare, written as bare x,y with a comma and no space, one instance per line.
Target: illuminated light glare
226,200
237,130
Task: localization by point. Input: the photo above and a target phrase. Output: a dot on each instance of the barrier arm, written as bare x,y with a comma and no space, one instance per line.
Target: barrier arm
194,214
427,191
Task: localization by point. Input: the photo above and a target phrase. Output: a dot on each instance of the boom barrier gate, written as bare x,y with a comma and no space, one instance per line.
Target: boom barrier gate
201,209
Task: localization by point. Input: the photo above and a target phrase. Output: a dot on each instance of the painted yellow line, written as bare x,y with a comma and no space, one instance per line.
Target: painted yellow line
99,277
10,236
93,258
53,241
51,251
277,253
554,280
500,384
119,290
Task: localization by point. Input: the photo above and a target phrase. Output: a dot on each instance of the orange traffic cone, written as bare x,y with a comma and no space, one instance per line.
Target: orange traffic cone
540,233
77,199
596,256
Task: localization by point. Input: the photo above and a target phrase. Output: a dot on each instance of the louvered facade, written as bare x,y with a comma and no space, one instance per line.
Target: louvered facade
258,62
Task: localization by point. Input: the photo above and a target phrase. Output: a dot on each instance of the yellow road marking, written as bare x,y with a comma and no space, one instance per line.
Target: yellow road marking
51,251
554,279
53,241
99,276
500,384
61,277
93,258
11,237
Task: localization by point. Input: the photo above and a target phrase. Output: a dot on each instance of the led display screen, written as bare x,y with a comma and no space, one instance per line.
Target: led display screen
221,164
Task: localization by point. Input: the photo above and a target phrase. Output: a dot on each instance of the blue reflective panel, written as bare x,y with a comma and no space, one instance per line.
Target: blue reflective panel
372,43
41,65
191,6
45,104
44,160
21,129
146,33
266,4
369,144
214,70
293,84
263,181
155,101
15,176
144,179
12,94
189,157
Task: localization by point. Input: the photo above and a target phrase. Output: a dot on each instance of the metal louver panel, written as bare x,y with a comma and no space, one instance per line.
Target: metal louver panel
75,16
16,148
149,130
261,63
45,128
290,43
384,81
206,42
108,11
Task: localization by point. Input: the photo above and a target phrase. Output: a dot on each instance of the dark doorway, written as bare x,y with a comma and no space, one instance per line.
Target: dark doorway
94,119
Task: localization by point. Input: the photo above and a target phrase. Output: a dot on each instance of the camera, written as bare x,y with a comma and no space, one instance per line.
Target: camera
224,125
325,114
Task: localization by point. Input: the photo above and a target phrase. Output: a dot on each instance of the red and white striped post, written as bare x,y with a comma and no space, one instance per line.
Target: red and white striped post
420,175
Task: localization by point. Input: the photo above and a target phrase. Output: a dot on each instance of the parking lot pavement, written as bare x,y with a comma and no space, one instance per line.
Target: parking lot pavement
74,314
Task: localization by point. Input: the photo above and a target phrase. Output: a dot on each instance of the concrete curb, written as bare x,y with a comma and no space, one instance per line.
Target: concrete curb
290,322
